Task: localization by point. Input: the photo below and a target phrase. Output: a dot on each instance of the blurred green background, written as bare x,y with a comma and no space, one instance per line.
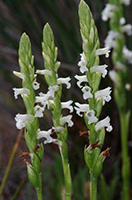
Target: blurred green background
16,17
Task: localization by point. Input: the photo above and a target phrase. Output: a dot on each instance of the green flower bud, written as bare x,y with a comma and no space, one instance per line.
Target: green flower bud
32,176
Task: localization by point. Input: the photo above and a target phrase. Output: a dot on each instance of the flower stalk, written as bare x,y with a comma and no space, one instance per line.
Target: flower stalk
29,121
49,52
121,57
96,98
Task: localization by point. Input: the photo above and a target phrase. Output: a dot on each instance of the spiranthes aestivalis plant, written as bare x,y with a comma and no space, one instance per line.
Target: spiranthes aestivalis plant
54,104
89,83
29,121
120,75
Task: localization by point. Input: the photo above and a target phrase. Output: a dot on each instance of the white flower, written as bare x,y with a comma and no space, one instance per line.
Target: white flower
127,29
39,111
83,63
127,54
104,94
103,51
35,85
108,11
19,75
65,81
90,115
66,119
21,91
44,72
120,66
113,76
104,123
81,79
122,21
110,40
81,108
128,86
126,2
58,129
21,119
42,99
101,69
87,92
46,135
67,105
52,90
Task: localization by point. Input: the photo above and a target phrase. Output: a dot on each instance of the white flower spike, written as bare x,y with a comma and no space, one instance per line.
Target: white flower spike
67,105
100,69
65,81
83,63
81,79
44,72
104,123
87,92
104,94
21,119
81,108
66,119
39,111
108,11
103,51
90,115
20,91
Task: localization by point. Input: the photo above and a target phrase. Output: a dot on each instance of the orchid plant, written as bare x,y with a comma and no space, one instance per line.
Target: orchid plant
29,121
89,83
121,57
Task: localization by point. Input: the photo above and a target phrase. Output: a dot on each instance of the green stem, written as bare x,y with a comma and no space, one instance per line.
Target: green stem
93,189
125,158
39,190
39,194
67,174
